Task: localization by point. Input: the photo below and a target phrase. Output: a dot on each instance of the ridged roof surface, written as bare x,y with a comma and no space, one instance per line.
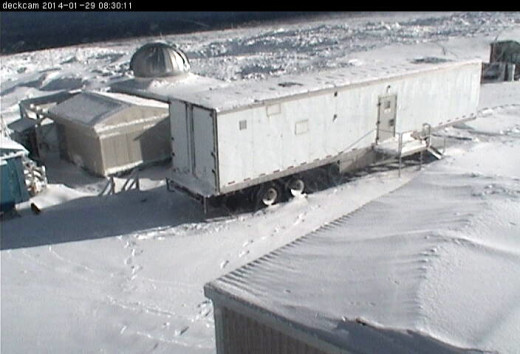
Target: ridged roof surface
159,60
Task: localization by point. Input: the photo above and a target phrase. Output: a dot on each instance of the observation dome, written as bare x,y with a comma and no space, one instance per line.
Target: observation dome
158,59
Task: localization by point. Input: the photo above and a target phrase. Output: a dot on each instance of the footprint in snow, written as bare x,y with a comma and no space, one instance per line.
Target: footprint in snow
180,332
224,264
204,309
136,268
299,219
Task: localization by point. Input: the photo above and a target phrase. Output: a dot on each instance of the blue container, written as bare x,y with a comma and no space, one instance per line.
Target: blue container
13,188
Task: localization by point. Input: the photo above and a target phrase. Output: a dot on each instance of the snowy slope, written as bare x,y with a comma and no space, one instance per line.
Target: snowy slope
438,258
125,273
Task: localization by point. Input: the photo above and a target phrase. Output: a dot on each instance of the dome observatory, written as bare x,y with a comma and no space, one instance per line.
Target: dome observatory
159,60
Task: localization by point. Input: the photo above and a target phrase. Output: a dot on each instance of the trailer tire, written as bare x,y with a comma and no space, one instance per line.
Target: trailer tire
296,187
269,194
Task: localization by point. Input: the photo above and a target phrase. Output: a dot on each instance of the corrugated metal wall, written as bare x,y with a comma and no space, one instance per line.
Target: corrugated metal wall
239,334
111,153
130,148
80,148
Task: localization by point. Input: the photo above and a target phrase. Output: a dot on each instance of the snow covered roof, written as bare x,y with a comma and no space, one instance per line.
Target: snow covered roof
163,89
420,279
95,109
10,148
132,99
238,94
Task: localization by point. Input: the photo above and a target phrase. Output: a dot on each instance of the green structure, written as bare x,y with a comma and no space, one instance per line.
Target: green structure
506,52
13,187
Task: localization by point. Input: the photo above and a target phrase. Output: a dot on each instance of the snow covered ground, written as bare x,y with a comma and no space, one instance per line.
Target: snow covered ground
124,273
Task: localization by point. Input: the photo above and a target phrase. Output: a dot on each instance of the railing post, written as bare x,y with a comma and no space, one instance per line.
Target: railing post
112,185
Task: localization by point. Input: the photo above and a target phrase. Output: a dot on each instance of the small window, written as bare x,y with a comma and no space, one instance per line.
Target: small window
242,125
301,127
387,105
273,109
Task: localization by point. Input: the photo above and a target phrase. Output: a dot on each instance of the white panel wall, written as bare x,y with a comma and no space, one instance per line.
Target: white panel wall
437,97
291,132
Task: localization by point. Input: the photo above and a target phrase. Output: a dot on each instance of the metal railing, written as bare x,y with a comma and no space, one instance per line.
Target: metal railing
110,187
425,135
132,182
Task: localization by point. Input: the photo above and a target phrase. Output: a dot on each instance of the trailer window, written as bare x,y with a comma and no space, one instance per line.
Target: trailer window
242,125
301,127
273,109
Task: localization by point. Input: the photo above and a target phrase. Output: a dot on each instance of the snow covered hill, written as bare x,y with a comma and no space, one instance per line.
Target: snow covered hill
124,273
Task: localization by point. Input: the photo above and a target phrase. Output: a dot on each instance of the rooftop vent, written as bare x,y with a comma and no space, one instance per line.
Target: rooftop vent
430,60
154,60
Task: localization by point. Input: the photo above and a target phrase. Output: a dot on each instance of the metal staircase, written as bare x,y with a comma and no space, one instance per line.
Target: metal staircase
409,143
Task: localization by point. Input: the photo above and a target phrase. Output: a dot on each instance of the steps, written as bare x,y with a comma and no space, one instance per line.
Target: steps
409,143
402,145
435,152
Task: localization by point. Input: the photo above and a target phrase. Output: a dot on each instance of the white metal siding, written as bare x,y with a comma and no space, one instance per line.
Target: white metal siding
309,128
306,129
437,97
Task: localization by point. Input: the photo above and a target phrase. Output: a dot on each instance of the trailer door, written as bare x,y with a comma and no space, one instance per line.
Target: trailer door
180,132
204,145
193,148
386,121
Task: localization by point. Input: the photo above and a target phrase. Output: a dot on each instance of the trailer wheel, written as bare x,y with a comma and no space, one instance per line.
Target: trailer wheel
269,194
296,187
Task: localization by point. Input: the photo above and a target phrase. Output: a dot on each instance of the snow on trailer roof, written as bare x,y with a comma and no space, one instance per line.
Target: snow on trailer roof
240,94
417,280
163,89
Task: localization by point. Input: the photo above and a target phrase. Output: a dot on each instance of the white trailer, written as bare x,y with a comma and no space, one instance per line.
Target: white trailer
263,136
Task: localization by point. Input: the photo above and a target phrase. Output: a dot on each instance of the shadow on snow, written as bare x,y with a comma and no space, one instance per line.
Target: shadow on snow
93,218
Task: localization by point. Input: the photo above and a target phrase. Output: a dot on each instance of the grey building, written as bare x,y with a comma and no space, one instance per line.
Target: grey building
504,62
107,133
